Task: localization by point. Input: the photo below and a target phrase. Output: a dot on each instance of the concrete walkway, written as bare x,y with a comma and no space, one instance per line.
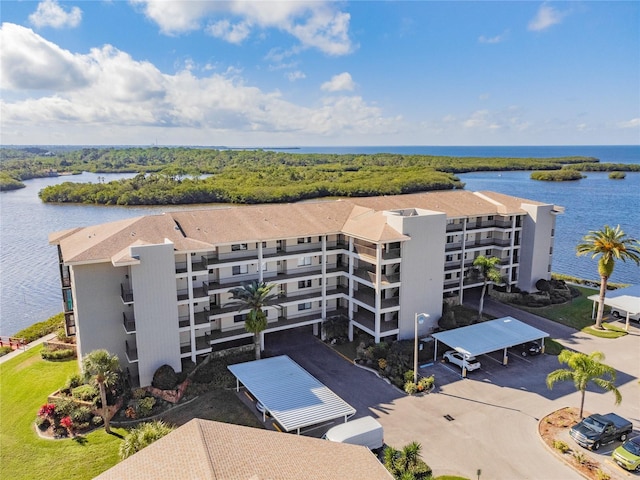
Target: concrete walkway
17,352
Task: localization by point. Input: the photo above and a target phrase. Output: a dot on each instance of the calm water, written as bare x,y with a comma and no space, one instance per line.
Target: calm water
30,289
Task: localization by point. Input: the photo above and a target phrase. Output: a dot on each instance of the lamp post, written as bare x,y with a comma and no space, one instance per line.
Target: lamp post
418,320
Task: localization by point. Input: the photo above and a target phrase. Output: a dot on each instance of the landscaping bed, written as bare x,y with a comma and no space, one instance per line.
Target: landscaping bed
550,428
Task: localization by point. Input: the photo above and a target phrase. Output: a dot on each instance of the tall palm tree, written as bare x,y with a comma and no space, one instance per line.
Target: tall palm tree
610,244
583,369
254,296
485,267
102,368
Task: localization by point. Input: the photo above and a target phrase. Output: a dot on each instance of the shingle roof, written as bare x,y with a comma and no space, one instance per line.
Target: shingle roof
203,449
192,230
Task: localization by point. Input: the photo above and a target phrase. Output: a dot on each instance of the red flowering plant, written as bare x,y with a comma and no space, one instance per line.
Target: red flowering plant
47,410
67,423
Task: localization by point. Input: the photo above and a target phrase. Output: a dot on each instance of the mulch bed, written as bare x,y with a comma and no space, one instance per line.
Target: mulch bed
578,458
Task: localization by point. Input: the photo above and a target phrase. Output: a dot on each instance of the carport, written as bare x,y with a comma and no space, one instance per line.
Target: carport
627,299
486,337
294,397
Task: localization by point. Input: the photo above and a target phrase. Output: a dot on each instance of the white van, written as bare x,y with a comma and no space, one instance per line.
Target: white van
365,431
621,314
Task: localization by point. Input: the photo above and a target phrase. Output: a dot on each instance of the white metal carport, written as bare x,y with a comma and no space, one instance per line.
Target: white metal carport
490,336
294,397
627,299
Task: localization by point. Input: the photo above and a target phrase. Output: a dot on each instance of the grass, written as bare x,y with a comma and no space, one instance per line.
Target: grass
26,382
552,347
610,331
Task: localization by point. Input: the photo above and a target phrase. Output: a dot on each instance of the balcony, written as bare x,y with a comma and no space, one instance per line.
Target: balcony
183,294
181,267
372,277
129,322
201,293
126,294
449,247
198,266
367,320
368,298
454,227
200,318
131,351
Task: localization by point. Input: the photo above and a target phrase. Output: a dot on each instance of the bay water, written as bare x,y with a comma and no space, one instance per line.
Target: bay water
29,283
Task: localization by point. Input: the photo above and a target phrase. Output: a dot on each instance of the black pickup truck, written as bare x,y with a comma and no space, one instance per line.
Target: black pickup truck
597,430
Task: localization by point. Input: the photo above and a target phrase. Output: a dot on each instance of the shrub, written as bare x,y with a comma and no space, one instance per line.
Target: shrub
543,285
64,407
4,350
410,388
165,378
142,436
580,457
81,415
617,175
425,383
85,392
97,420
59,432
40,329
144,406
47,410
600,475
66,422
561,446
74,381
408,376
382,363
61,335
61,354
130,412
139,393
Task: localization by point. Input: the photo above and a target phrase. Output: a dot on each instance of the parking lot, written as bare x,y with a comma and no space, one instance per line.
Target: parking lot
487,421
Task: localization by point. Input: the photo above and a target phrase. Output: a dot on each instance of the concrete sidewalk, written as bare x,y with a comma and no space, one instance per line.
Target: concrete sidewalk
17,352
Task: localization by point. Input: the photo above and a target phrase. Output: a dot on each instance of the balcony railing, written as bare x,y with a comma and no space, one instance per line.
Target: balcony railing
183,294
202,317
129,322
198,265
367,320
181,267
131,351
126,294
372,277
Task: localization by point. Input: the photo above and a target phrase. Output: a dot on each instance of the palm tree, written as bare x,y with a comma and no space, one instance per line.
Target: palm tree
254,296
583,369
102,368
143,435
610,244
486,268
406,464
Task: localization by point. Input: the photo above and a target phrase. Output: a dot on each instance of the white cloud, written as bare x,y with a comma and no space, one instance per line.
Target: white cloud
484,96
110,93
232,33
319,25
495,39
50,14
29,62
633,123
295,75
545,18
338,83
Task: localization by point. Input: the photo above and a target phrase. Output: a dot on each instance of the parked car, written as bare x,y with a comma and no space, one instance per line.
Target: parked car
627,455
596,430
529,348
621,314
457,358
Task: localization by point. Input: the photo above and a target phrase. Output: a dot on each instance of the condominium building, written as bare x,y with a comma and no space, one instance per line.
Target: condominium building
154,289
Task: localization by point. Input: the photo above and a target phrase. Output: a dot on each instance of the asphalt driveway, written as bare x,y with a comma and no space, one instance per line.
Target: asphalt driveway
486,422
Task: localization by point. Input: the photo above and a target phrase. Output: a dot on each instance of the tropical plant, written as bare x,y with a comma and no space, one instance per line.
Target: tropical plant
102,368
254,296
485,267
143,435
406,464
582,370
610,244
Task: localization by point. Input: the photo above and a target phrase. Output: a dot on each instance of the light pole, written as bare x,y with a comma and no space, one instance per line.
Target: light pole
419,319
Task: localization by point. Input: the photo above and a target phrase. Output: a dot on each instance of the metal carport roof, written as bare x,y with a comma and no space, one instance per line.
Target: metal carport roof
627,299
293,396
490,336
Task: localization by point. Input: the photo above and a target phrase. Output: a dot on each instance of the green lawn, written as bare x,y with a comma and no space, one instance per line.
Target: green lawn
25,383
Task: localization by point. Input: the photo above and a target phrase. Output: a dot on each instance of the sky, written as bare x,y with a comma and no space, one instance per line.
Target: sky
288,73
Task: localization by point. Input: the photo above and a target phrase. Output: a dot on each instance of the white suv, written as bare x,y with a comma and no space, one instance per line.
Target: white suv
461,360
621,314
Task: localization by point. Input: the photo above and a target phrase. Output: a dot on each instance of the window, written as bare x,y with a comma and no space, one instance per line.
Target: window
264,245
304,284
447,276
304,240
304,306
487,252
304,261
239,318
240,269
449,258
490,217
238,246
449,238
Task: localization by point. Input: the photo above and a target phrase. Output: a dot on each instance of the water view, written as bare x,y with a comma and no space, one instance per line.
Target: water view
30,287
